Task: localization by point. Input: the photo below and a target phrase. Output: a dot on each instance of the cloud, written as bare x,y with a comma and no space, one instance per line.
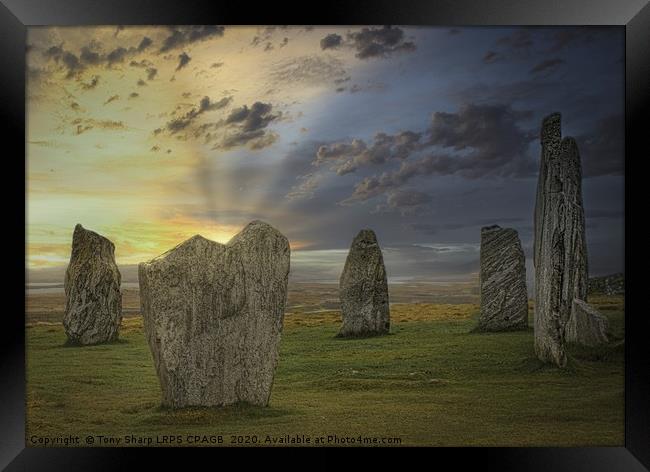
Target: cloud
182,36
379,42
407,202
151,73
547,65
435,228
478,141
331,41
83,125
116,55
205,105
247,126
90,85
348,157
134,95
602,149
491,57
91,56
306,189
563,38
307,70
183,60
112,98
144,44
141,83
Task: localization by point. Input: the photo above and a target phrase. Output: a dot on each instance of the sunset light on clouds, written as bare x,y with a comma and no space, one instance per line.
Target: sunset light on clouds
150,135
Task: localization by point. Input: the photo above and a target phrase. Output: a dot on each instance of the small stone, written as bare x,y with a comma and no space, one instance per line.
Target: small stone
586,326
93,301
213,315
363,289
504,299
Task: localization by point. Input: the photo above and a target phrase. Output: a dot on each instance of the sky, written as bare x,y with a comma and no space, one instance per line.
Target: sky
150,135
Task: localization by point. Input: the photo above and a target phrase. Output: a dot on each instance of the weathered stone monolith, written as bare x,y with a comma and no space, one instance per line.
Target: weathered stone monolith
363,289
93,301
586,325
504,300
560,251
213,316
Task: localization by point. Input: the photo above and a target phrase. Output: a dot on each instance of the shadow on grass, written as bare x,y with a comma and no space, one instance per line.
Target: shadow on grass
74,344
352,337
163,415
479,330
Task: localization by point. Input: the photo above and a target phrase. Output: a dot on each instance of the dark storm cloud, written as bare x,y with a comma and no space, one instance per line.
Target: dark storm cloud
247,126
91,55
144,44
478,141
348,157
205,105
546,65
379,42
182,36
183,60
602,149
71,63
116,55
331,41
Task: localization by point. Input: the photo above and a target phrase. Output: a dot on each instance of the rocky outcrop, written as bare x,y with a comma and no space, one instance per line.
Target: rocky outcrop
586,326
93,301
504,300
363,289
560,252
607,285
213,316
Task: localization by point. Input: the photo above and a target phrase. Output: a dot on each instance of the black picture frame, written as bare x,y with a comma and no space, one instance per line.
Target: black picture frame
17,15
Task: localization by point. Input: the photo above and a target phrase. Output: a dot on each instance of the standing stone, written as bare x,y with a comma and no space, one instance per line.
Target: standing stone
560,250
586,326
504,300
213,316
93,302
363,289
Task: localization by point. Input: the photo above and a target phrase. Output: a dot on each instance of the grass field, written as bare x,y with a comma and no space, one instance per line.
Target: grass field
430,382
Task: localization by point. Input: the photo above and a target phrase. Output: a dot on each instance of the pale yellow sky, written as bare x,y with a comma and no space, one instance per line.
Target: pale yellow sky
92,154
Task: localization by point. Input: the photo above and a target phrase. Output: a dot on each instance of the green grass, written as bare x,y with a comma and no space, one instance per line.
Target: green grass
430,382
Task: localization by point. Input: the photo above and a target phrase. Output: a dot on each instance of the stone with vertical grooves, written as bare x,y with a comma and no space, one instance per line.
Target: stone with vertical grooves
93,301
363,289
560,251
586,325
213,316
504,300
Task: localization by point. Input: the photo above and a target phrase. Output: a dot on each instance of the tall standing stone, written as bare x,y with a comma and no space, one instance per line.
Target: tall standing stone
560,250
93,301
213,316
363,289
586,326
504,300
